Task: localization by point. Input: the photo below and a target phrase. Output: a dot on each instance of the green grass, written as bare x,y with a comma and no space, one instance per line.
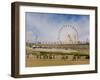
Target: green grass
59,53
31,51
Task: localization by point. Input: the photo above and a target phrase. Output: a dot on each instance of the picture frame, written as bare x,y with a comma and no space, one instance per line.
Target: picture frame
25,63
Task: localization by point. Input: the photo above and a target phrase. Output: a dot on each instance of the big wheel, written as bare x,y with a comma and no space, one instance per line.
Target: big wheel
68,34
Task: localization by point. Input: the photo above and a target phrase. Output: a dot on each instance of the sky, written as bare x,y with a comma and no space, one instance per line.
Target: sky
44,27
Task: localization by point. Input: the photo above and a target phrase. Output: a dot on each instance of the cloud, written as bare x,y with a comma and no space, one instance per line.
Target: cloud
46,26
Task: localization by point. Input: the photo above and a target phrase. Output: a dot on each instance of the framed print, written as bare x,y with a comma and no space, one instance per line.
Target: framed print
53,39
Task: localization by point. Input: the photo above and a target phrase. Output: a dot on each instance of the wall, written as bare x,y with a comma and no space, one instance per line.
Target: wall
5,40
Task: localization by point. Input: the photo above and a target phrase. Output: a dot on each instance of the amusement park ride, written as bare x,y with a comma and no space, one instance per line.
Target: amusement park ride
68,34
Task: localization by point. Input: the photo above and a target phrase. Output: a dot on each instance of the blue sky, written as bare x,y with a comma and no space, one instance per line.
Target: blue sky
45,26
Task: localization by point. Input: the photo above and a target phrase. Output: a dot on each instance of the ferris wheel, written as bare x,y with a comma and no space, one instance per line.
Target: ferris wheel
68,34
